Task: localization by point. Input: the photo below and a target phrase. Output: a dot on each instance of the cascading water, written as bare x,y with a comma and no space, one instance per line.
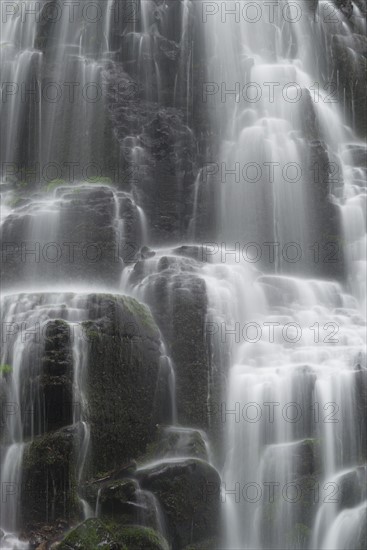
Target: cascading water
272,371
257,366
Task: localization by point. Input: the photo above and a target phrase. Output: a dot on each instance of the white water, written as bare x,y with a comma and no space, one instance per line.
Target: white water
298,367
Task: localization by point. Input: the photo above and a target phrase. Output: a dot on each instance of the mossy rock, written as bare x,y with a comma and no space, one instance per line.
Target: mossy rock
123,382
49,478
92,534
140,538
184,489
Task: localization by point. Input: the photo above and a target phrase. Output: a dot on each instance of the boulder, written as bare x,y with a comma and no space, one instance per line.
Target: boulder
91,534
182,487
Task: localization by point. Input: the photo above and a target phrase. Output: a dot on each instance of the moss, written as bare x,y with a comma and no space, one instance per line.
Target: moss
90,331
49,478
92,534
140,538
5,369
123,373
142,312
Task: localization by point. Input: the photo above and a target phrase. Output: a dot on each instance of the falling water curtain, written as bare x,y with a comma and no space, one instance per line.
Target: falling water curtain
183,274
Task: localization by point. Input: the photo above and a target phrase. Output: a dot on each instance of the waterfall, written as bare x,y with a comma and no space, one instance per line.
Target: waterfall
183,190
259,67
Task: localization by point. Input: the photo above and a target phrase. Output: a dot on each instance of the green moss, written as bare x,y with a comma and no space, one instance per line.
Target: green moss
92,534
49,477
90,332
5,369
142,312
140,538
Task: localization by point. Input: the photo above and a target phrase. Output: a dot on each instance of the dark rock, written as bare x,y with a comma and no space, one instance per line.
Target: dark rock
346,7
352,488
49,478
178,442
192,512
123,375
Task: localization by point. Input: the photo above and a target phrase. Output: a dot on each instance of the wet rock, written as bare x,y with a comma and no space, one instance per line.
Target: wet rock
140,538
178,442
184,489
57,376
123,374
346,7
361,408
177,296
118,500
91,534
352,488
49,478
349,55
166,166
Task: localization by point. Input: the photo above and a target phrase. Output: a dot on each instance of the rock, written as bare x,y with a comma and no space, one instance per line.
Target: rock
123,377
346,7
349,56
361,542
49,478
166,166
118,500
361,408
140,538
91,534
57,376
184,491
178,442
352,488
177,295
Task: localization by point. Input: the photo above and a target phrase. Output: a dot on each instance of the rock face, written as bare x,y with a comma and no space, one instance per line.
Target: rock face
188,492
122,346
176,292
122,383
161,157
